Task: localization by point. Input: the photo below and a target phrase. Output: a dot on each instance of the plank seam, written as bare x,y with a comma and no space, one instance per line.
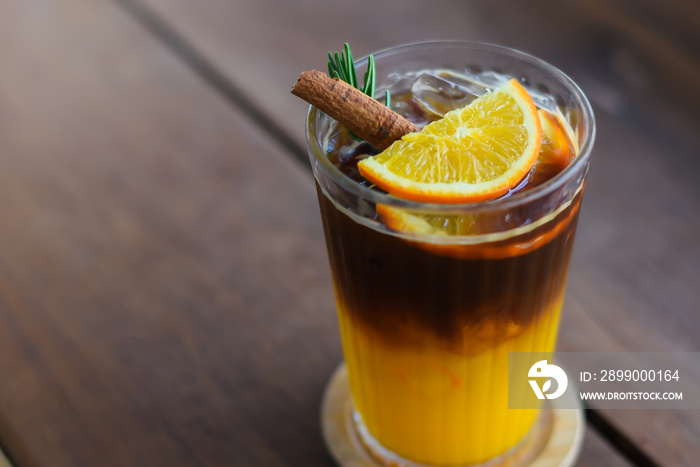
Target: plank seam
618,440
210,74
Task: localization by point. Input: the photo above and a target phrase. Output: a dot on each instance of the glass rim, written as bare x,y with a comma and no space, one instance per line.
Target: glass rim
546,188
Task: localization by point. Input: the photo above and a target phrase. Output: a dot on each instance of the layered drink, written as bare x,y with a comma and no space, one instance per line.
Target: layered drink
432,296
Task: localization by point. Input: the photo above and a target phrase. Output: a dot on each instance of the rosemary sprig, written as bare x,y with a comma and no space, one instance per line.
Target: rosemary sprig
342,66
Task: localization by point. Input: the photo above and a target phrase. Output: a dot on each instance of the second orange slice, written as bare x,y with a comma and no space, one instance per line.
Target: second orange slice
472,154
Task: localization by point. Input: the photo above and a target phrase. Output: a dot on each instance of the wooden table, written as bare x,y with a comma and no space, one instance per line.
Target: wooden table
165,298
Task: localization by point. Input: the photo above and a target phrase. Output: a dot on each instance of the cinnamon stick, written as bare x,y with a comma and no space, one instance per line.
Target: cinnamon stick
365,117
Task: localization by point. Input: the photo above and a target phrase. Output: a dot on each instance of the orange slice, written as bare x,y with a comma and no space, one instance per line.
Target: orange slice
557,144
472,154
400,220
418,227
556,153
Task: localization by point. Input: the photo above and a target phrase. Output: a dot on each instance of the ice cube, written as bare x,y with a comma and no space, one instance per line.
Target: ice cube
544,101
477,85
437,96
334,131
445,90
356,148
492,79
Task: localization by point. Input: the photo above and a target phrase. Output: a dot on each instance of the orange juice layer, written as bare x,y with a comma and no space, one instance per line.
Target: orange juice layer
437,404
426,332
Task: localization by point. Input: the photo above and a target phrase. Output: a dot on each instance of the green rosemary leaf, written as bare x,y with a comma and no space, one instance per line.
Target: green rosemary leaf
370,79
365,87
347,68
332,69
339,66
350,63
342,66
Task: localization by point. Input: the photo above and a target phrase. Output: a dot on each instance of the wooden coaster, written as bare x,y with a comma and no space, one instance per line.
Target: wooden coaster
3,460
563,430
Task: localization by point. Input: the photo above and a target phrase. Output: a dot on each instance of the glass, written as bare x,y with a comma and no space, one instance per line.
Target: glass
427,319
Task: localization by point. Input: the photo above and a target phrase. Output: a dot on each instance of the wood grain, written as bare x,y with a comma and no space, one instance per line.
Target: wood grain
662,38
229,35
597,452
636,266
164,294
